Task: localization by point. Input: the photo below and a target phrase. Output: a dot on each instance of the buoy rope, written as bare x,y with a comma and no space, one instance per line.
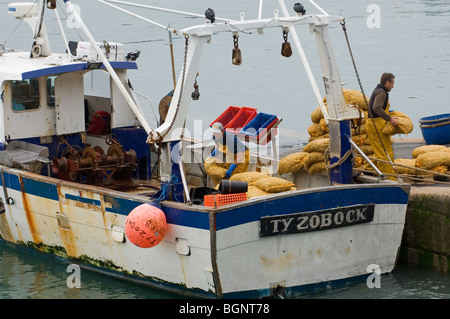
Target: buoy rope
165,191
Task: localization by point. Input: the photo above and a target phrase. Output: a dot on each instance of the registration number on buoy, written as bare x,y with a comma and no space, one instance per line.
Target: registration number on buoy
316,220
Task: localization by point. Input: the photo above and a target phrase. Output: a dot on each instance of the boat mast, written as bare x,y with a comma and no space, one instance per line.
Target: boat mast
340,114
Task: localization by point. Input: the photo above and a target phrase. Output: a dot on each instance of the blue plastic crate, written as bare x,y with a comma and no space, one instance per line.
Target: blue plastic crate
260,124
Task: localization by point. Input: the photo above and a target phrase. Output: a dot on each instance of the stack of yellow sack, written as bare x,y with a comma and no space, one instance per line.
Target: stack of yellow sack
434,158
314,160
319,131
260,184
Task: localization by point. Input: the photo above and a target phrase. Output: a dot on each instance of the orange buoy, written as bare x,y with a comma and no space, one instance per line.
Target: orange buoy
146,226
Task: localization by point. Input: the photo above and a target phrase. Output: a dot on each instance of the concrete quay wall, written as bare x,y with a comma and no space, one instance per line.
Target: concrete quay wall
426,237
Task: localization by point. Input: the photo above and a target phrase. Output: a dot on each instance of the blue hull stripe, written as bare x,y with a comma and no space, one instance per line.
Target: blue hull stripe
311,202
84,200
308,202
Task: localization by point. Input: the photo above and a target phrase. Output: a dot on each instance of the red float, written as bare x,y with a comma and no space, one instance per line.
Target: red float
146,226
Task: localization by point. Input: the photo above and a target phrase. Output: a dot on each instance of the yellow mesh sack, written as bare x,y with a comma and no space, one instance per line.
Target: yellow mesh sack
254,191
324,125
313,138
411,163
431,160
249,177
405,125
273,184
316,115
317,167
291,163
440,169
318,145
427,148
354,97
312,158
315,130
359,139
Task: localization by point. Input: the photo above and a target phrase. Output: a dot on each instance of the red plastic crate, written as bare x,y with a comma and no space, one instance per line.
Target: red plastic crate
226,117
245,115
220,199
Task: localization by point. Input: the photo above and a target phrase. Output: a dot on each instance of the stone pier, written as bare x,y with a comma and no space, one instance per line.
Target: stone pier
426,237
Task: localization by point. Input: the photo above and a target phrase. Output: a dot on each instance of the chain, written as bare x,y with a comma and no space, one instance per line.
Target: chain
186,37
160,137
364,96
236,41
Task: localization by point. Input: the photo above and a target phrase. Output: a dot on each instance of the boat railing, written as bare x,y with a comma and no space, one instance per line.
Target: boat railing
366,158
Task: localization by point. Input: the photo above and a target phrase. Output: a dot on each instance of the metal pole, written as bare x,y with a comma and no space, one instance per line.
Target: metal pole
183,179
317,6
172,59
166,10
260,9
305,64
365,157
110,69
136,16
63,34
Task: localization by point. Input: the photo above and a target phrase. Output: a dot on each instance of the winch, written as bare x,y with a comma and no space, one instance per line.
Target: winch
93,166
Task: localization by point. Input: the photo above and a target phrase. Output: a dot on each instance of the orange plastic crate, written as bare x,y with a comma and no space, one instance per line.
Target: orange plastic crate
220,199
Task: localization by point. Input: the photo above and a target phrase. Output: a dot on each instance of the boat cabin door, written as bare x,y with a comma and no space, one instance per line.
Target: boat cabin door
69,103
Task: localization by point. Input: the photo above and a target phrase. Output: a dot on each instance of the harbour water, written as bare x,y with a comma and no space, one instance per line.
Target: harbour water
24,276
409,38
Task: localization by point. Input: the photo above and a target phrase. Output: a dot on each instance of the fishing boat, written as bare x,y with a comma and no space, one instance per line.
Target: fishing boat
77,184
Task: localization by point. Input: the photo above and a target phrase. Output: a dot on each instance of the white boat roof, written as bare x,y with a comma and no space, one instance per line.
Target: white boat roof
18,65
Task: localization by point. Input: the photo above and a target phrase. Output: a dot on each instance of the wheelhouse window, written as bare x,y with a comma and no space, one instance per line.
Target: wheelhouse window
51,91
25,95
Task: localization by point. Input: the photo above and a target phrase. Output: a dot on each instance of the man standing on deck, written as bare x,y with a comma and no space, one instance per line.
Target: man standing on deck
230,155
378,116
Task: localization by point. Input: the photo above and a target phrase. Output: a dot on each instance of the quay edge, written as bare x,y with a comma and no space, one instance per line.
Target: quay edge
426,236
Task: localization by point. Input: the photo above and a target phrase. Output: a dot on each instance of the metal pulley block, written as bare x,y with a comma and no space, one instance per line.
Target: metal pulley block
236,56
286,49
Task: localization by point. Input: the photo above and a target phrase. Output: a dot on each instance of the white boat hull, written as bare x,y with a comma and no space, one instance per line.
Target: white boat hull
206,252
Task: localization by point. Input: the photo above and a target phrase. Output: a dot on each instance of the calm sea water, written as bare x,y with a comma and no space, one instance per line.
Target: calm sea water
409,38
23,276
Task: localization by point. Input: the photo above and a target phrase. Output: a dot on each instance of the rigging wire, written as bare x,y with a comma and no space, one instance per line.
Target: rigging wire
67,17
20,22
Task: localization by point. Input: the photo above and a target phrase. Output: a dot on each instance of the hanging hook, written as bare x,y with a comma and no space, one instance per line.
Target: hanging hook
286,50
196,94
51,4
236,56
